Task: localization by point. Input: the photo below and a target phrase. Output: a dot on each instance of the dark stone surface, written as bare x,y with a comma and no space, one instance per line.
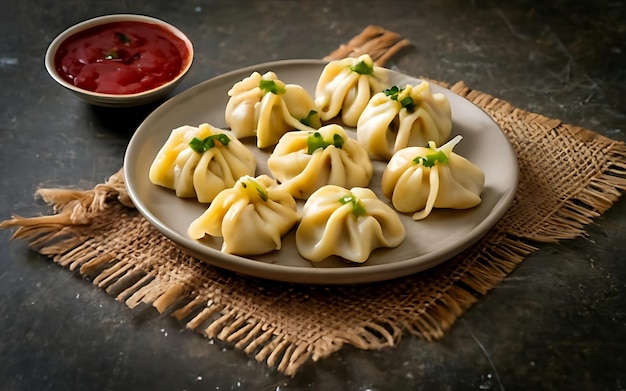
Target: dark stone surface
557,323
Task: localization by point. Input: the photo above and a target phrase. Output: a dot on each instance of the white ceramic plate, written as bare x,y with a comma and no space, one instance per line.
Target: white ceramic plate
443,234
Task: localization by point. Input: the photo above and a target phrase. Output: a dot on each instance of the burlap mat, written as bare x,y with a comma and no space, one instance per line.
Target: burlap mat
568,176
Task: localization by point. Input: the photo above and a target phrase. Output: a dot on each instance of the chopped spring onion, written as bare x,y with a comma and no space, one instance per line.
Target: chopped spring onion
201,146
430,159
357,207
406,102
271,86
362,68
315,141
261,191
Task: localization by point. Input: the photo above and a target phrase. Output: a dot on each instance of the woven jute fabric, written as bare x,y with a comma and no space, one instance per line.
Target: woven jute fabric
568,176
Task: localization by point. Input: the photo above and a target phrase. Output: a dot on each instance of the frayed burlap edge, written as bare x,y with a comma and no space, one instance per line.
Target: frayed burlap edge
604,183
379,43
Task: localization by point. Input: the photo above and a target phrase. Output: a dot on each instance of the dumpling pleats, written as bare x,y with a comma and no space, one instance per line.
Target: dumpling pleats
251,217
397,118
351,230
200,175
275,119
302,173
345,87
419,179
265,107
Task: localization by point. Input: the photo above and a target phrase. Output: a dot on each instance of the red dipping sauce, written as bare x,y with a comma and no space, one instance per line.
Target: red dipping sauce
121,57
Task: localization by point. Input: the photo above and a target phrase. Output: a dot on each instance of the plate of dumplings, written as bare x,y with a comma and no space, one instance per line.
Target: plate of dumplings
321,172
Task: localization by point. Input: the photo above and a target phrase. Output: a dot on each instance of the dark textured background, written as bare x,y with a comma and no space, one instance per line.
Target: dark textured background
557,323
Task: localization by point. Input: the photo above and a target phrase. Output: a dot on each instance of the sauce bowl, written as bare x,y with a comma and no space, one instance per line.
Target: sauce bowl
123,61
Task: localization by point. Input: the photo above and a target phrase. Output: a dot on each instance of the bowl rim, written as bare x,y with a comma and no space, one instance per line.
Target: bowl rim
49,58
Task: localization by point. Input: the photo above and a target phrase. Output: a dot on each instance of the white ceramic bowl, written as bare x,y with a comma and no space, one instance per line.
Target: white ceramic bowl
117,100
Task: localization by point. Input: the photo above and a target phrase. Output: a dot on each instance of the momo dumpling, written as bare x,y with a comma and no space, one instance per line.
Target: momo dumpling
345,86
304,161
397,118
418,179
199,162
265,107
346,223
251,217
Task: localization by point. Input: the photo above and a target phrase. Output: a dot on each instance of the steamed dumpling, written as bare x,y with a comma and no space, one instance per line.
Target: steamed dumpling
252,217
265,107
199,162
305,161
404,117
347,223
345,86
418,179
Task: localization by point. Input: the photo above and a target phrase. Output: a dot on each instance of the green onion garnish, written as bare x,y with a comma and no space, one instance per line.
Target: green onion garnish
307,121
393,94
261,191
315,141
201,146
362,68
123,38
357,207
430,159
271,86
